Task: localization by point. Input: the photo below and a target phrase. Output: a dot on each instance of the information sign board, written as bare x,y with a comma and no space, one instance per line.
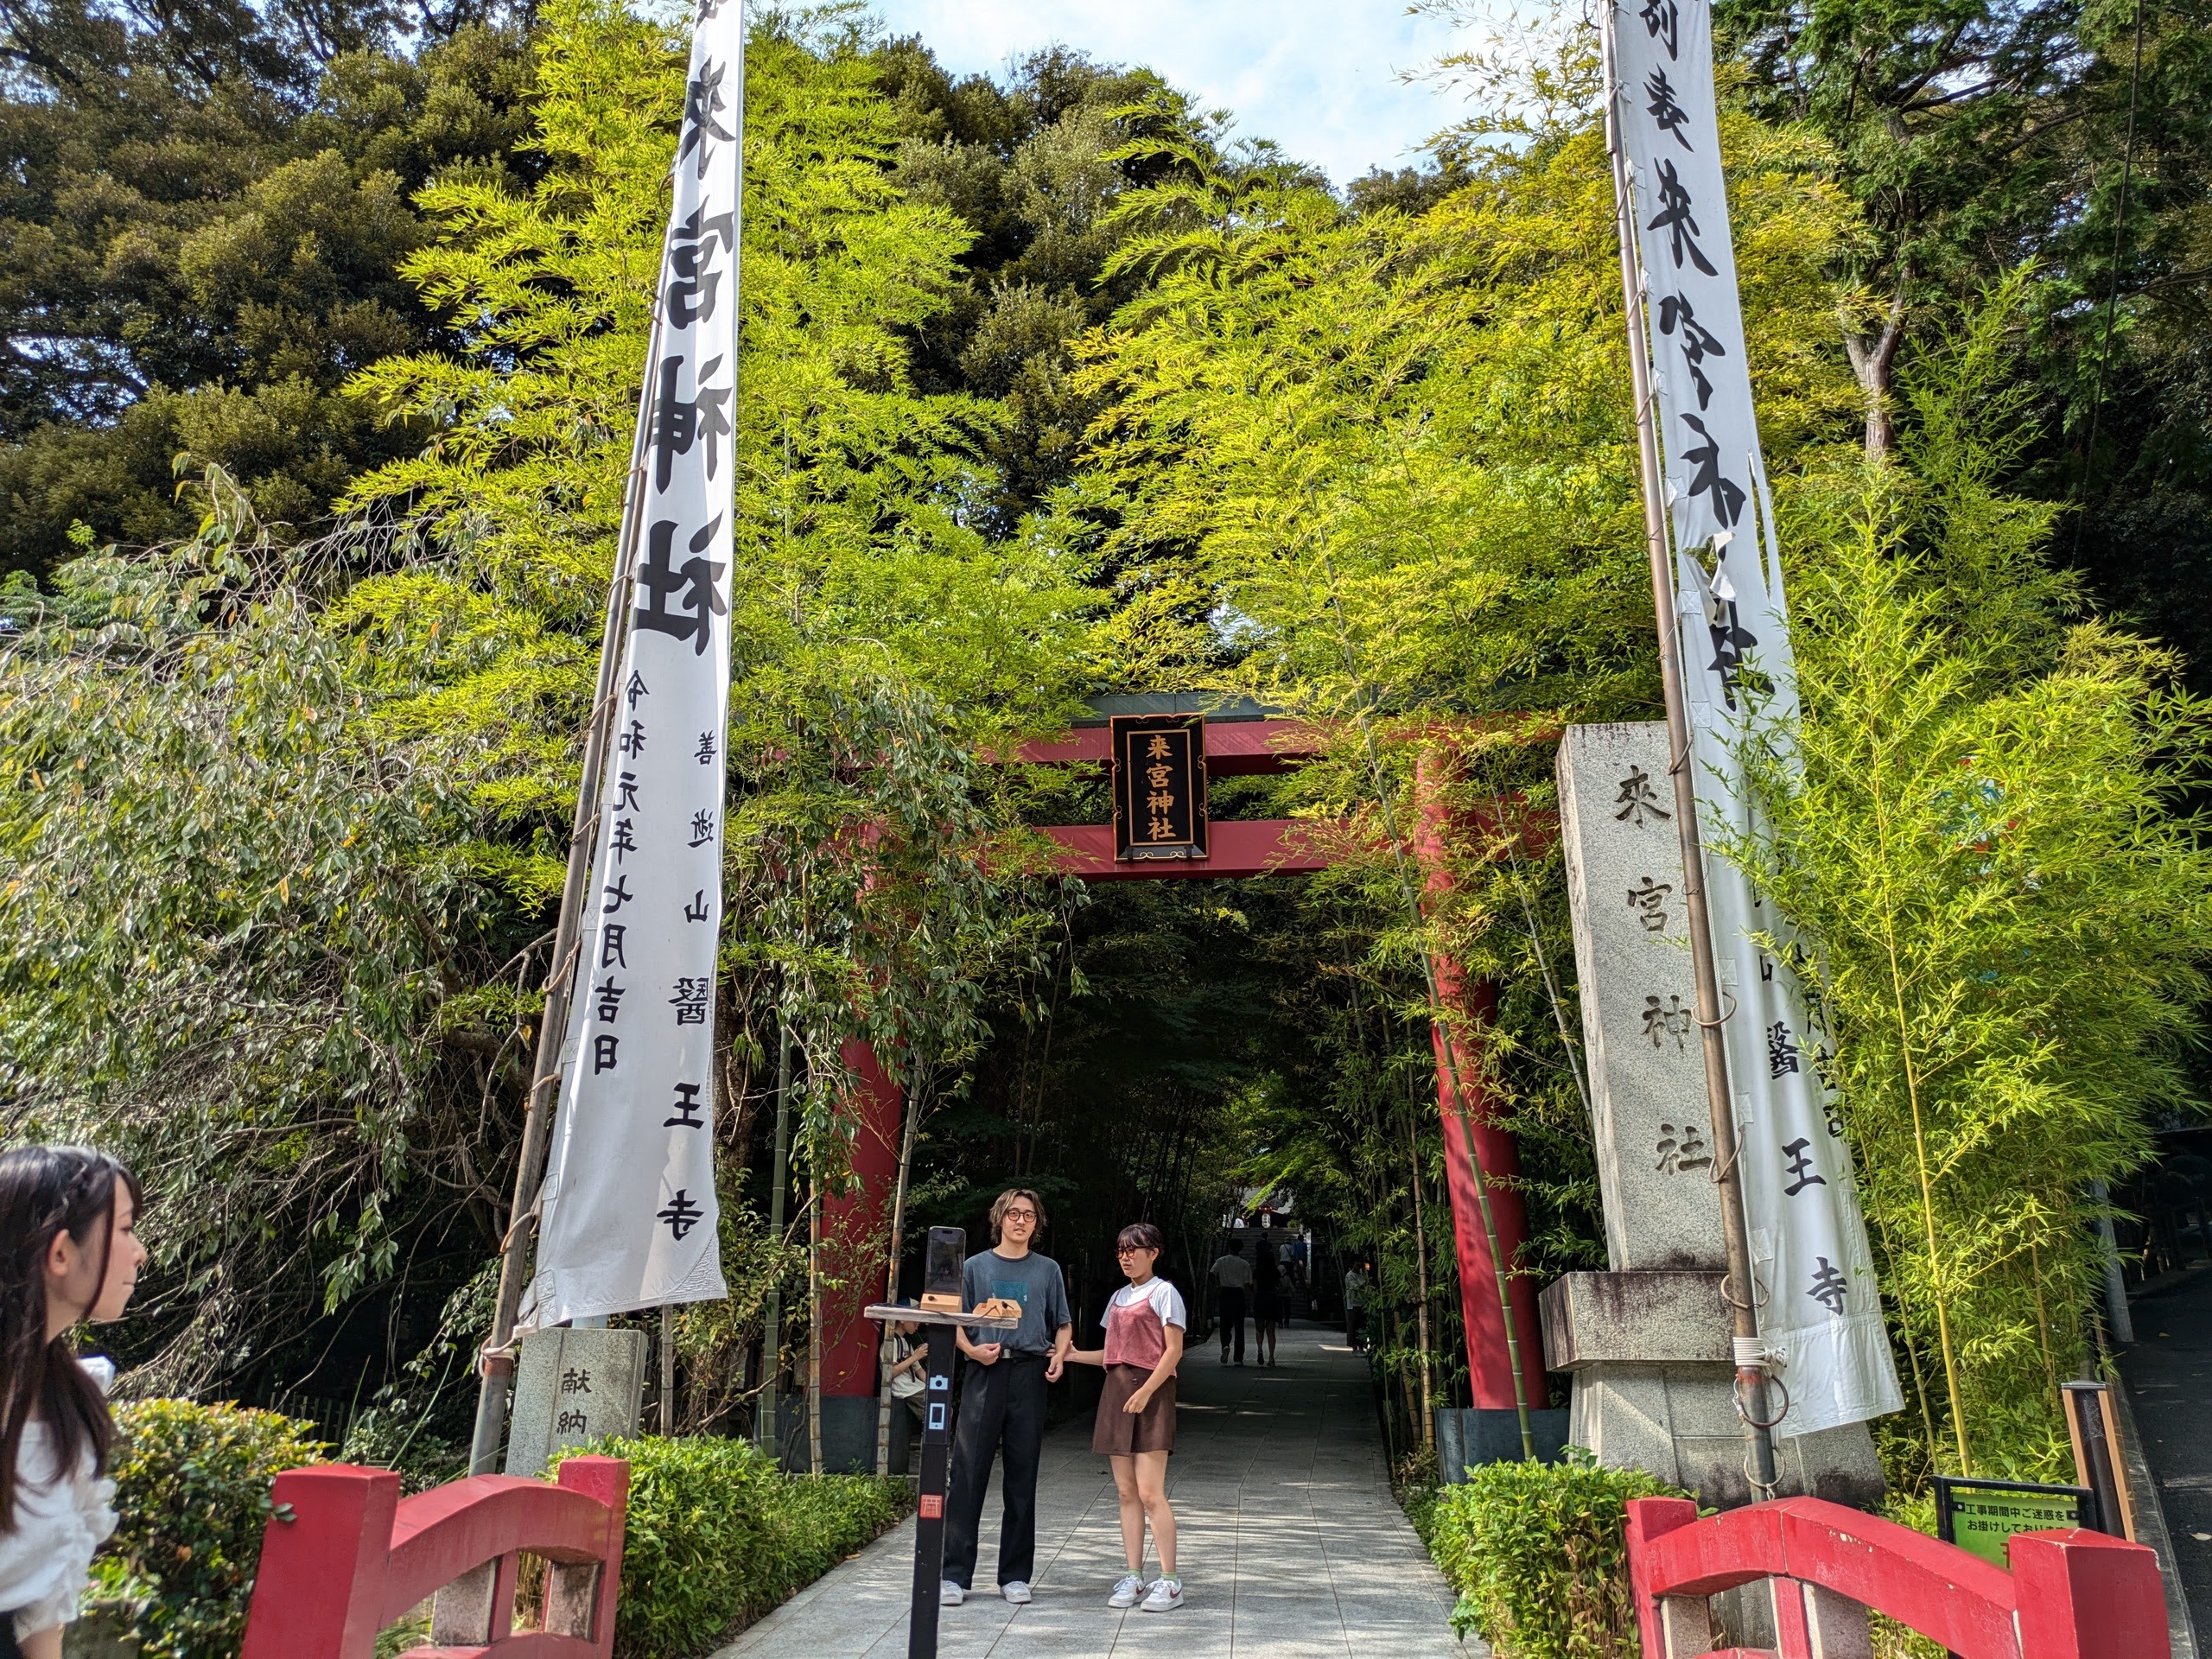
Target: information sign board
1980,1516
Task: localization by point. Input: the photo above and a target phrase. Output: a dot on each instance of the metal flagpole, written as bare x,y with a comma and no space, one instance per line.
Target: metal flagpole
497,1361
1740,1290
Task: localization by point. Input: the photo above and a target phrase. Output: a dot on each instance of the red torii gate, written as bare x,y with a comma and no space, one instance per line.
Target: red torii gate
1243,739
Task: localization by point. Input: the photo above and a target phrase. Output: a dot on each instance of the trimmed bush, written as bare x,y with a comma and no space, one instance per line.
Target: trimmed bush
718,1535
1538,1555
192,1489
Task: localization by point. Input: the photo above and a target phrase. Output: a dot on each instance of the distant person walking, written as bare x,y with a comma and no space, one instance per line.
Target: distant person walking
1267,1302
1135,1431
69,1251
1002,1398
1232,1275
1355,1306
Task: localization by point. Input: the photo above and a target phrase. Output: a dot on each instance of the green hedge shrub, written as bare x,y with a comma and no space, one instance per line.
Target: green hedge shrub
1538,1553
718,1535
192,1490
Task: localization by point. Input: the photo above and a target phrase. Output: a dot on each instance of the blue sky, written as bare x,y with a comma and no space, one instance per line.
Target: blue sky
1320,79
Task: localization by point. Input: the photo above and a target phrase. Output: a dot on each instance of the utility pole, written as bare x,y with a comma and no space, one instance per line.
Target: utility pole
496,1363
1739,1289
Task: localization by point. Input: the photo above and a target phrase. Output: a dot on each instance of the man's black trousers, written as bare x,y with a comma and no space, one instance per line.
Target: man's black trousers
1001,1408
1232,1320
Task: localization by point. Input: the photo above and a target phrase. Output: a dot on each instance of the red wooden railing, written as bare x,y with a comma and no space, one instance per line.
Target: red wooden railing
2070,1594
353,1557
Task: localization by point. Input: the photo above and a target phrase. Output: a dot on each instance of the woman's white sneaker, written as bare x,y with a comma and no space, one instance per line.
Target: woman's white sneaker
1128,1593
1164,1596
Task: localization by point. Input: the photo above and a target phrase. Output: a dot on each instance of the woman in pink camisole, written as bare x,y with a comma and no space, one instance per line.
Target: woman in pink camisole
1145,1323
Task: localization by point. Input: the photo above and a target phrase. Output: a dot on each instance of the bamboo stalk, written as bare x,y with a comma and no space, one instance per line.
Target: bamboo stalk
891,1282
1421,1261
814,1328
769,1427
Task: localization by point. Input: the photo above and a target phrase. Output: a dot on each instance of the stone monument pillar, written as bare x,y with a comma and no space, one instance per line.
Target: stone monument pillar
1646,1343
573,1384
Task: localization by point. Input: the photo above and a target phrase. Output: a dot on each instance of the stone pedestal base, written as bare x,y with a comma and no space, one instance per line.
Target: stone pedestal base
1654,1390
1680,1422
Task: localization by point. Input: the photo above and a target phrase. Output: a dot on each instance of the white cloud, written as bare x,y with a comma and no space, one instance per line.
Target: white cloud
1320,79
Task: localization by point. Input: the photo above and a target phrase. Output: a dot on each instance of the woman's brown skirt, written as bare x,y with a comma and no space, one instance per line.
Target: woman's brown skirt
1122,1433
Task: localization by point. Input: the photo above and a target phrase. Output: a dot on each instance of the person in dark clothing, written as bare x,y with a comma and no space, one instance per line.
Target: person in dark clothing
1267,1302
1233,1274
1002,1399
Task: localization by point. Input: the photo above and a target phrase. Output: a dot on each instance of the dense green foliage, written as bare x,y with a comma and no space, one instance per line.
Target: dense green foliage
717,1536
205,207
1537,1554
192,1490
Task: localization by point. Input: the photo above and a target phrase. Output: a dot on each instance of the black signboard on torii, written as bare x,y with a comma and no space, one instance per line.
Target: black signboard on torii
1159,786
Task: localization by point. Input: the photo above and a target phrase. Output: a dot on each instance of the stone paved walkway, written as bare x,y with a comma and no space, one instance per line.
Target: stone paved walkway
1290,1544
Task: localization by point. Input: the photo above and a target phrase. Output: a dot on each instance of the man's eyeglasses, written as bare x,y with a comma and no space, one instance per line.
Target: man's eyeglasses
1020,1215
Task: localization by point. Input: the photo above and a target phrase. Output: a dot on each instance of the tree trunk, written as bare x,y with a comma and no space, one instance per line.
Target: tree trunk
1873,362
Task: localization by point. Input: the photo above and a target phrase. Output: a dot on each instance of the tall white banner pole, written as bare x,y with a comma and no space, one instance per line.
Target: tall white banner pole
1751,1380
1810,1337
627,1215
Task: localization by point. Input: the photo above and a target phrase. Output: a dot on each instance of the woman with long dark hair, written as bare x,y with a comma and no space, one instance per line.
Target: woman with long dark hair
69,1252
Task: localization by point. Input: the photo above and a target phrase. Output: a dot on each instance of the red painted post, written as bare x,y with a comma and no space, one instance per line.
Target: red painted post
855,1226
318,1590
606,1480
1490,1366
2083,1595
1649,1520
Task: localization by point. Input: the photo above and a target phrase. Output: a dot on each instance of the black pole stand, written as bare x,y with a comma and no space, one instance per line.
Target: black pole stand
937,1461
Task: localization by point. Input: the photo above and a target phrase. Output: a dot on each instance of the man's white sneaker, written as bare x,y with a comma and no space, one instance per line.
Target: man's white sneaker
1166,1595
1017,1592
950,1594
1128,1593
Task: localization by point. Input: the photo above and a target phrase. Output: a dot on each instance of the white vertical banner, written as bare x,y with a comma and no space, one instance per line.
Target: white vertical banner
1819,1312
629,1218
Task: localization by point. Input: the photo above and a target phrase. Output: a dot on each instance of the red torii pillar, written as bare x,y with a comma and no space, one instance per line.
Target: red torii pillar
1470,1008
855,1232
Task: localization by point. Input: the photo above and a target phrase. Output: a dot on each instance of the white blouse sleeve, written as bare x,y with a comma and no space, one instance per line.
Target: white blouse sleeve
46,1559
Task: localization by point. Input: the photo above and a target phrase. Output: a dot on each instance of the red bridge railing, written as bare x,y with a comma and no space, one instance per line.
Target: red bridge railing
355,1556
2070,1594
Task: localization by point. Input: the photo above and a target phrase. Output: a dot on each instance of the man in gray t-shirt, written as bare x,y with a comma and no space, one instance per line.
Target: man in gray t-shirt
1002,1398
1033,1281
